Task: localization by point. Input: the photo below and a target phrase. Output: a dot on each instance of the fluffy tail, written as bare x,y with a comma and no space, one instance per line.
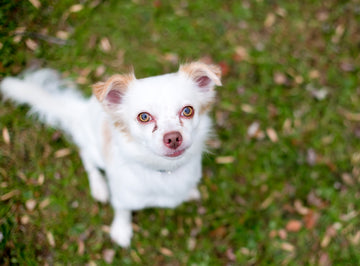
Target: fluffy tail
56,104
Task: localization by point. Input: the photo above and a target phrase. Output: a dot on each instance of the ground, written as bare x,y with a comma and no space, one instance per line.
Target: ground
281,183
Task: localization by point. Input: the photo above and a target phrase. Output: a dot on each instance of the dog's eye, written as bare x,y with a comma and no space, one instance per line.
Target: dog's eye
144,117
187,111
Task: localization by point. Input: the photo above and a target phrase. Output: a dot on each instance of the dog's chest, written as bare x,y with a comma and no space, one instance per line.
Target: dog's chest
136,187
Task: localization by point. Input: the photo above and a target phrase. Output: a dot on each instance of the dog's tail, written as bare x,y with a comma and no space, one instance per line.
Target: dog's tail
55,102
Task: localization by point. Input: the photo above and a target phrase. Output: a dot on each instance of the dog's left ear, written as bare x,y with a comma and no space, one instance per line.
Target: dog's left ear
111,92
204,75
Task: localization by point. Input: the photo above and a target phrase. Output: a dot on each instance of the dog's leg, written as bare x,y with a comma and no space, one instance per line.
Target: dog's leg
121,229
98,186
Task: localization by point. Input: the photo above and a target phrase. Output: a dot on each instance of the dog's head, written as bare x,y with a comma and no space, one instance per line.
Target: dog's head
164,117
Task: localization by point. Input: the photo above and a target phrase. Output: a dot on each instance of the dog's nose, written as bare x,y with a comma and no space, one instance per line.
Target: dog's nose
172,139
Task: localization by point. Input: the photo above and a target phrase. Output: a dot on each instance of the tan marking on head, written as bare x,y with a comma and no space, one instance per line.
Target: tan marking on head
123,129
197,69
205,108
115,82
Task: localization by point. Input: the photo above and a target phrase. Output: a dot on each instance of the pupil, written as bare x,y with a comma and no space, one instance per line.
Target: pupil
144,116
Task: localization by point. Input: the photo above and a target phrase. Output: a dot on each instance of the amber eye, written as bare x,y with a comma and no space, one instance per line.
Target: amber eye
144,117
188,111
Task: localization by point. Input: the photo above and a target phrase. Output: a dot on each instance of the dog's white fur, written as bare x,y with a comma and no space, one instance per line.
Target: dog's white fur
141,170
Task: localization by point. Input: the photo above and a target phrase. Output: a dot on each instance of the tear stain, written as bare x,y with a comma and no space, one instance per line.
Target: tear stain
155,128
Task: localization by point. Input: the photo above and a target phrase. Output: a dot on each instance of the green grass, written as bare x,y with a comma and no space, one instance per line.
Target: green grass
243,217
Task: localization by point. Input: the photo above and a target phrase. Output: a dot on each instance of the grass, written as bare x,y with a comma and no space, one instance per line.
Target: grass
286,195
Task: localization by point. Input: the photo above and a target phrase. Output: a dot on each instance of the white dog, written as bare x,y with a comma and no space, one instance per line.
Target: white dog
147,134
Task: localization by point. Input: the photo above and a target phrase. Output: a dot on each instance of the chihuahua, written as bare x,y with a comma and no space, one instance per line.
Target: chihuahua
147,135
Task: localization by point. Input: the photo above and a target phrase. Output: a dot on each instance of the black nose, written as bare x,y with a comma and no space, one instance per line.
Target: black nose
172,139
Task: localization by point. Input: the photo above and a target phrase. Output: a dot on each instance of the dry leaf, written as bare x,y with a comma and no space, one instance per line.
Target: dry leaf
280,78
64,35
230,254
293,226
219,232
25,219
310,219
247,108
282,234
31,44
100,70
272,134
30,204
355,240
300,208
287,247
44,203
225,159
311,157
6,135
62,153
172,58
166,252
41,179
50,239
347,179
241,54
105,45
324,260
35,3
76,8
81,247
191,243
270,20
135,256
108,255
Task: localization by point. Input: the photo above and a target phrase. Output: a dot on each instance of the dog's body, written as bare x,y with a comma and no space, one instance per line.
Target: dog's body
147,134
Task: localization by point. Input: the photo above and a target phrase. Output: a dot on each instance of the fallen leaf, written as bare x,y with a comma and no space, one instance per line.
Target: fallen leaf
135,257
6,135
241,54
25,219
35,3
230,254
105,45
287,247
347,179
50,239
225,68
76,8
282,234
355,240
172,58
30,204
349,115
272,134
247,108
324,260
31,44
44,203
166,252
219,232
311,157
41,179
280,78
300,208
270,20
64,35
293,226
100,70
191,243
311,219
62,153
81,247
108,255
224,159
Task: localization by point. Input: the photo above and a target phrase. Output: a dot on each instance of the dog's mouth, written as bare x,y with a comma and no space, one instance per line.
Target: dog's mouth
175,153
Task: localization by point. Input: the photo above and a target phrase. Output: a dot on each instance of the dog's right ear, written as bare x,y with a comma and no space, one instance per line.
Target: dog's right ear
111,92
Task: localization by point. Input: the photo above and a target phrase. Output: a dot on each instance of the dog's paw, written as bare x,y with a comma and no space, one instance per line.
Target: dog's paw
99,190
121,234
194,195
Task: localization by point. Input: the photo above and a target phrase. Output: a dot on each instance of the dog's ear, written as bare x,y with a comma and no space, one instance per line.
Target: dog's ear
111,92
204,75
